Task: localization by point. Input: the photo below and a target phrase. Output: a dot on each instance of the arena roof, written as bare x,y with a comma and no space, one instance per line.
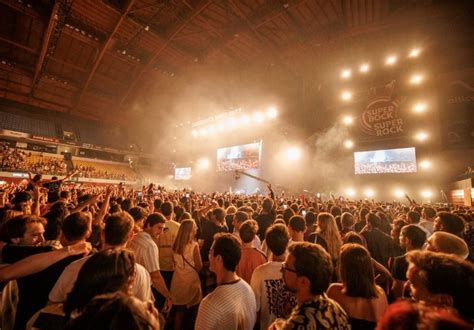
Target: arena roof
90,57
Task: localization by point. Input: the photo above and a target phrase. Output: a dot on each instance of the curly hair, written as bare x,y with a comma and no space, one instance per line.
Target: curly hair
445,274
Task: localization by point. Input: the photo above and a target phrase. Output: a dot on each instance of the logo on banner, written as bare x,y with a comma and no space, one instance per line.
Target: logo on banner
381,116
44,138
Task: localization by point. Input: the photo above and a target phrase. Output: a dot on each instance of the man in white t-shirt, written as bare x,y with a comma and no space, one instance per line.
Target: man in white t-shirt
272,298
118,231
146,254
232,304
165,243
428,214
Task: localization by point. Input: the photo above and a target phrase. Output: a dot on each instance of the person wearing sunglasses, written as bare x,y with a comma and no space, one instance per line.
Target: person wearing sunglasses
307,272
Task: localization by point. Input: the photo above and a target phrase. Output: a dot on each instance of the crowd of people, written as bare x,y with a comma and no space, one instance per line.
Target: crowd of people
112,257
13,159
237,164
385,167
92,172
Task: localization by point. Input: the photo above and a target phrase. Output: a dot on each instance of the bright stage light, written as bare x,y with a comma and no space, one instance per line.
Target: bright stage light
346,73
245,120
347,120
203,131
419,107
293,153
220,127
399,193
232,122
350,192
272,113
346,95
421,136
258,117
391,60
414,52
425,164
195,133
369,193
426,193
364,68
416,79
203,163
348,144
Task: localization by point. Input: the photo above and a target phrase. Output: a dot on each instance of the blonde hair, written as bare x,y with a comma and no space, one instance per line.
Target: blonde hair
449,243
330,233
184,237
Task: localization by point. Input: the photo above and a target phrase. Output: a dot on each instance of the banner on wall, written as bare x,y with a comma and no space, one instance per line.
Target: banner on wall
44,138
15,134
381,116
456,90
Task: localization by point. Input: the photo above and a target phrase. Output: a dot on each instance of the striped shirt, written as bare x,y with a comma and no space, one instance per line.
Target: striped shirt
146,251
229,306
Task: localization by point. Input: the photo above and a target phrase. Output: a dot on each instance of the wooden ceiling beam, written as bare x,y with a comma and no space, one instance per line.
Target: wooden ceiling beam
252,28
301,33
18,45
101,53
251,24
22,9
44,45
54,59
162,37
177,29
145,7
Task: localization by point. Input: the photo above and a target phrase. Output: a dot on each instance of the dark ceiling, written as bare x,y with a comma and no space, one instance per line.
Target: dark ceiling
90,57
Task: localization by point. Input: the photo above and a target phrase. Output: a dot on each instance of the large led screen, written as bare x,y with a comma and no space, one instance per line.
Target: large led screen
182,173
401,160
239,157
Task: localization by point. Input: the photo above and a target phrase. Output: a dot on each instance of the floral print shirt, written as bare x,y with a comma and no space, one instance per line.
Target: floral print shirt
319,313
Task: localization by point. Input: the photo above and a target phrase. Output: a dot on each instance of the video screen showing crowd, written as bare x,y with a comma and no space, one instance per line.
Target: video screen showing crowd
239,157
401,160
97,257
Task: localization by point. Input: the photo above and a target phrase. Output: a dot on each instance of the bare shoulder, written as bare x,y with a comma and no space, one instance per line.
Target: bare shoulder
380,291
334,290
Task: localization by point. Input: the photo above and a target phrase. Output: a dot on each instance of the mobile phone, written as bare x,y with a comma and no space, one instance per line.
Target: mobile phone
281,200
187,195
303,212
318,195
285,206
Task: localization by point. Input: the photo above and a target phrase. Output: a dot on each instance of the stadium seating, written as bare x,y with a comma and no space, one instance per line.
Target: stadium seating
91,169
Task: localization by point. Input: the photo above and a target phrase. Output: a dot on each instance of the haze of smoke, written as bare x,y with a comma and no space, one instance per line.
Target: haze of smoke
331,162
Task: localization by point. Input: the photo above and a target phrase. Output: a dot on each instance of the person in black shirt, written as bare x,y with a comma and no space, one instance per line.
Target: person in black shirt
380,245
210,228
265,218
33,290
53,185
412,238
361,223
